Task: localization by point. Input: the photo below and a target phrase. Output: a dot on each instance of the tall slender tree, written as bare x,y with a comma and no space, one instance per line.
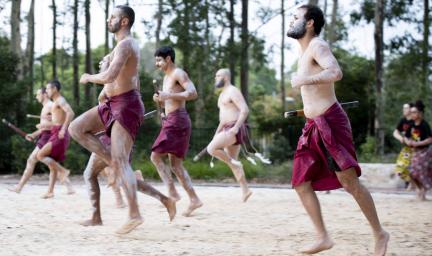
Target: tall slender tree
107,4
231,43
314,2
379,59
282,67
30,49
159,16
88,58
75,60
244,67
332,36
16,34
425,49
54,49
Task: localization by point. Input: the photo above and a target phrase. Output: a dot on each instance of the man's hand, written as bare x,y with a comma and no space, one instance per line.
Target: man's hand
233,131
297,81
84,78
61,133
163,96
29,137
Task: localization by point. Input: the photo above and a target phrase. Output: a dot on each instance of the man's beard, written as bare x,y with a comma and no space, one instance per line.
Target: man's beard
298,31
114,28
220,83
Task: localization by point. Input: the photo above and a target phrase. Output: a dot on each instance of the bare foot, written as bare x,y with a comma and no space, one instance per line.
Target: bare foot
62,176
174,195
138,175
120,204
91,222
191,208
15,189
130,225
320,245
170,205
381,243
47,195
246,196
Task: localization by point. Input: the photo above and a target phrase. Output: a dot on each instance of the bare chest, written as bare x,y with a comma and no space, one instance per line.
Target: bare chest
171,85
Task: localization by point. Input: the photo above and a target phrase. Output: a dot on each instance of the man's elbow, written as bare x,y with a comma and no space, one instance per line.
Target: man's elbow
337,74
193,95
245,111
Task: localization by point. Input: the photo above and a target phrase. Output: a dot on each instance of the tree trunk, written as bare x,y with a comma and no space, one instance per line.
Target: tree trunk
88,60
186,50
244,68
425,55
314,2
158,17
16,35
30,49
231,44
332,28
106,27
379,58
75,61
282,67
54,50
325,18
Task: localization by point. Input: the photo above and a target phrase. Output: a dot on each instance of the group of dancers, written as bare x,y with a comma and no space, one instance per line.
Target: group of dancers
109,129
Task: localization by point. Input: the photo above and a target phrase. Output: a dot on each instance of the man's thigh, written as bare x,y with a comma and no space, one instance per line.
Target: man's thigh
121,142
88,121
222,140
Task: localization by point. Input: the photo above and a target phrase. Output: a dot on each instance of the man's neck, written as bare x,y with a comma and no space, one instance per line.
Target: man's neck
305,40
45,101
122,34
226,86
170,69
56,96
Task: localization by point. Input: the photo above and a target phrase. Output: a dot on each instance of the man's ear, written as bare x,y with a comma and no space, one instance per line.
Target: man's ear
310,23
125,21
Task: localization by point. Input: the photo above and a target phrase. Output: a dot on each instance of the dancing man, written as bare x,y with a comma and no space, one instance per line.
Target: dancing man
173,139
42,134
327,132
232,131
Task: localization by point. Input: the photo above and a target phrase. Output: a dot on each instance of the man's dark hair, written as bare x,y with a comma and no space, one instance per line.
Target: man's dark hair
314,13
164,52
419,105
55,83
128,13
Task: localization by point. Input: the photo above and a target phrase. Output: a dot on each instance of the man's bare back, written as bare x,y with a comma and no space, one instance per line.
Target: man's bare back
319,95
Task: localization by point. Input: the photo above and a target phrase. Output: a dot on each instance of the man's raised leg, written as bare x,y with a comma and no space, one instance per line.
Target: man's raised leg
43,156
216,146
311,204
351,184
184,179
28,171
94,166
121,146
82,130
233,152
165,174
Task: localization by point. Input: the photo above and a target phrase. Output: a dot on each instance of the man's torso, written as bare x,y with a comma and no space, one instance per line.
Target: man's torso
171,85
228,111
316,98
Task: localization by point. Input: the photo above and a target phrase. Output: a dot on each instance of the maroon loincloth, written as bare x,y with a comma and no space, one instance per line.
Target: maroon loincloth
43,139
59,146
326,136
421,166
241,136
175,134
126,108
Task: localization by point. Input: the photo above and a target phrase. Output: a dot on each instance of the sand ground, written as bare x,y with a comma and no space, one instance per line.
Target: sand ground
272,222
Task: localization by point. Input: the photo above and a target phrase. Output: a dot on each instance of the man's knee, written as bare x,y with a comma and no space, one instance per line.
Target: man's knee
211,149
32,160
351,186
303,188
155,158
74,129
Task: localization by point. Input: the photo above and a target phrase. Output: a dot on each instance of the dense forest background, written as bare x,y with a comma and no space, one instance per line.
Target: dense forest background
208,35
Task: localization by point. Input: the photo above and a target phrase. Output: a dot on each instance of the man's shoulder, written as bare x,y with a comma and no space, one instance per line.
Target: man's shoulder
318,42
